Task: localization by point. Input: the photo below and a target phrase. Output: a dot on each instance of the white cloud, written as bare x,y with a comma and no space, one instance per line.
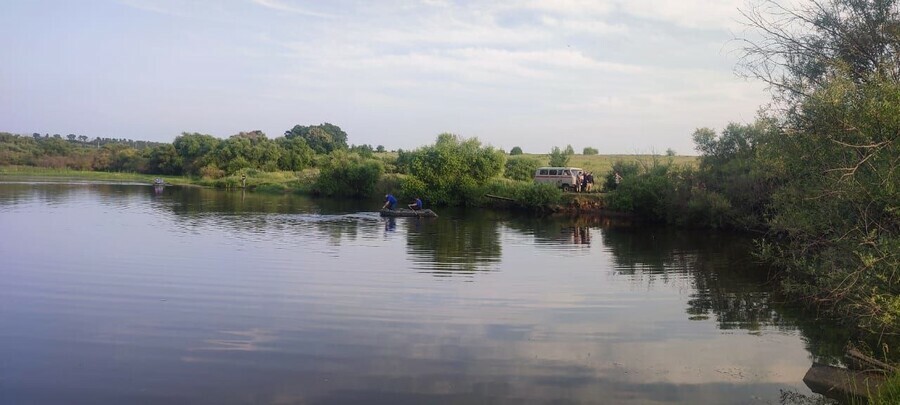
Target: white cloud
160,7
505,69
281,6
718,14
583,8
585,26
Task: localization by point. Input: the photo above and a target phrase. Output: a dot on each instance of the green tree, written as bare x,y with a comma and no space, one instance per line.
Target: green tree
558,158
735,166
55,146
450,171
835,73
348,174
195,150
588,151
515,151
234,154
521,168
570,150
164,159
296,155
363,150
799,50
322,138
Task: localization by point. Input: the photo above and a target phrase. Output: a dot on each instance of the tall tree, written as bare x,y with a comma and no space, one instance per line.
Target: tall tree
322,138
834,67
558,158
195,150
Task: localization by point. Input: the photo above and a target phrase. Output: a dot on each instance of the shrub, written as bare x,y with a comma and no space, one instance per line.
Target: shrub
707,208
515,151
588,151
211,171
624,169
390,183
521,168
348,174
451,171
524,193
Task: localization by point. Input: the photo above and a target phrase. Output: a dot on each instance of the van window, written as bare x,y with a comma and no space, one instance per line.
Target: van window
566,172
553,172
543,172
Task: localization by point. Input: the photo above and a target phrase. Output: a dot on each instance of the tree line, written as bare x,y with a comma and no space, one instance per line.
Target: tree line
189,154
817,172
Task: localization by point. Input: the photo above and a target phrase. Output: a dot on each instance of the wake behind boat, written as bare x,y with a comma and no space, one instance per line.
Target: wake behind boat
404,212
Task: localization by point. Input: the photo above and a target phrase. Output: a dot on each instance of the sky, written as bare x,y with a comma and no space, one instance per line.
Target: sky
622,76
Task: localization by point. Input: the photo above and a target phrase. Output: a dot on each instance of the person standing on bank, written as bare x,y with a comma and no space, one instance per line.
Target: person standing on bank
389,202
416,205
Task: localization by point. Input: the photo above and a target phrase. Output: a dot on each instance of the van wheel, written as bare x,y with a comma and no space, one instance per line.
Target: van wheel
566,188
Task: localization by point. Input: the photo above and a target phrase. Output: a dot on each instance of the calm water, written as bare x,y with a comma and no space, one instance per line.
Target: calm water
115,294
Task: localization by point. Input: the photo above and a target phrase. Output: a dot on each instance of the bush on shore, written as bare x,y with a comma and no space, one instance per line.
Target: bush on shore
450,172
348,174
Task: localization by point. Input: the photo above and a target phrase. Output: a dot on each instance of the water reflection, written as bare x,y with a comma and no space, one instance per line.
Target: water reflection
727,283
460,243
115,294
553,231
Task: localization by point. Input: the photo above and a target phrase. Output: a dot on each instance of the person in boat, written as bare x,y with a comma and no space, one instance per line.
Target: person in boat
390,202
416,205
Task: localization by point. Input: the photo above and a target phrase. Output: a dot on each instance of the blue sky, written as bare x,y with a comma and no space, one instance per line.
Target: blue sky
624,76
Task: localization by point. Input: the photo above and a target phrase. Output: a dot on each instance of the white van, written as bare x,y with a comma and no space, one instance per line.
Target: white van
563,177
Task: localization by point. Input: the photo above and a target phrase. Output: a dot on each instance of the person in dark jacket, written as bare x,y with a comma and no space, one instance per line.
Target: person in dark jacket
416,205
389,202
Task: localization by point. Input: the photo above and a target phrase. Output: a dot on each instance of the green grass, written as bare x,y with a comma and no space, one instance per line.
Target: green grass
888,393
27,172
269,182
602,164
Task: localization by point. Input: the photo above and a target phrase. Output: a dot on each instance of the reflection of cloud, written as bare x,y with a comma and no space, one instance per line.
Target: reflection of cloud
304,326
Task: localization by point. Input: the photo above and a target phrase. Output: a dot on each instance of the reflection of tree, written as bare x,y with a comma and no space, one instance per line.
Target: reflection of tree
53,194
554,230
241,211
728,283
449,246
190,201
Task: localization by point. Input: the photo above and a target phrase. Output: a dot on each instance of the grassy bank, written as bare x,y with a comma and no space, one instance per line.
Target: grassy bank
602,164
279,182
525,194
26,172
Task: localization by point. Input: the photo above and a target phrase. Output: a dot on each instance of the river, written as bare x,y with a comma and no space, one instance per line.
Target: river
117,293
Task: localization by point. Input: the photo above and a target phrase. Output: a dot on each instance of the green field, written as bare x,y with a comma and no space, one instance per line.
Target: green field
602,164
25,172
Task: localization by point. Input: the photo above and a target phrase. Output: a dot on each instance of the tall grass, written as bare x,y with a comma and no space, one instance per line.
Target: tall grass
69,174
525,194
602,164
889,393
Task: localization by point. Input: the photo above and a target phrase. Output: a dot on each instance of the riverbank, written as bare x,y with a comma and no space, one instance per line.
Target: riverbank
508,194
30,172
272,182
